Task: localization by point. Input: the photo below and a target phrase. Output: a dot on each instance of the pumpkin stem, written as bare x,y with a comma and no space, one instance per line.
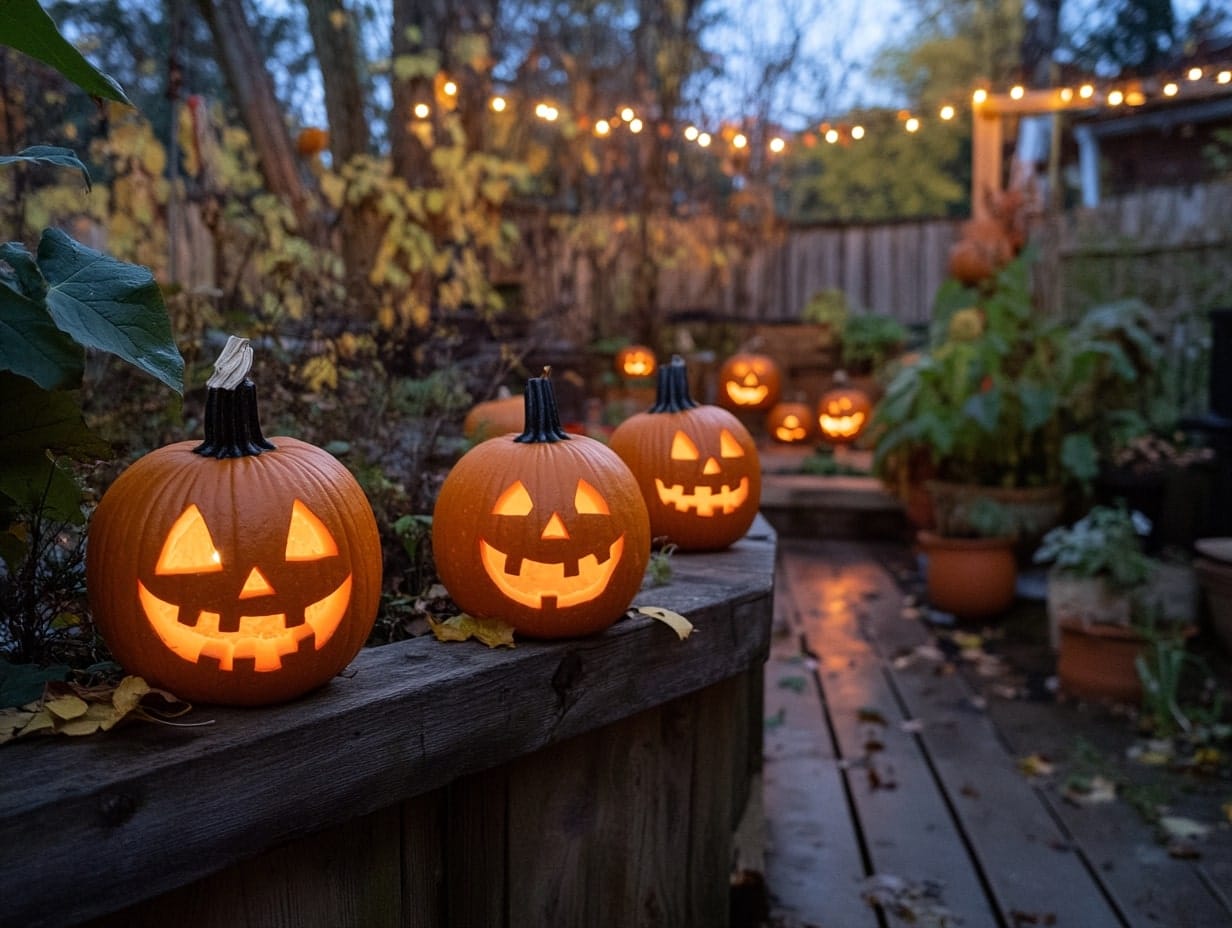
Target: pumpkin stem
542,415
672,390
232,426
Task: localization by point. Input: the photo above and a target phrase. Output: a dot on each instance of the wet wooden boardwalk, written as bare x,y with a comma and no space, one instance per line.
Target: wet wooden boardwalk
923,770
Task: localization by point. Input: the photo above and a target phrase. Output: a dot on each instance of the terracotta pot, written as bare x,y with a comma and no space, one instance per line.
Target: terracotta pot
971,578
1085,600
1097,662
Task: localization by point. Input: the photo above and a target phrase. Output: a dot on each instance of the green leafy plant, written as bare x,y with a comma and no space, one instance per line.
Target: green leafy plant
827,307
1106,542
660,568
55,304
869,340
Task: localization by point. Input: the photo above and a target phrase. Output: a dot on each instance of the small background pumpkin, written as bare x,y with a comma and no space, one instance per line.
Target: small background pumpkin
544,530
843,411
235,570
697,466
749,381
791,423
636,361
494,417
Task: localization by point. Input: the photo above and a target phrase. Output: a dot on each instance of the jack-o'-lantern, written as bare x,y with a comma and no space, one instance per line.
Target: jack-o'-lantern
494,417
697,466
790,423
544,530
749,381
843,411
635,361
238,570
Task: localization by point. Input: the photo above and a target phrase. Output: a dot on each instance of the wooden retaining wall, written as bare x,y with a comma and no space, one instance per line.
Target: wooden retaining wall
590,782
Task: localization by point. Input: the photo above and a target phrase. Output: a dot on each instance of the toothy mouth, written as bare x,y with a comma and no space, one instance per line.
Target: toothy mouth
263,639
537,582
706,500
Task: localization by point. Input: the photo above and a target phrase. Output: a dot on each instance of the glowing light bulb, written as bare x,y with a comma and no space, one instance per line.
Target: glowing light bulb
691,133
1194,74
857,132
636,125
1135,98
499,104
777,145
422,110
1086,91
980,96
912,124
603,127
703,139
947,112
740,140
1116,98
450,88
1017,92
1171,89
1067,94
627,114
1224,77
831,136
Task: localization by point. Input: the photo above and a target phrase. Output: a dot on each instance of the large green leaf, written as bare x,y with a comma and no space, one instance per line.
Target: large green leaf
43,421
25,26
107,304
26,274
32,346
37,483
49,154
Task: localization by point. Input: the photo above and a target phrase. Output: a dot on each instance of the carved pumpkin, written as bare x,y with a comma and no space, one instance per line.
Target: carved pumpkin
544,530
635,361
843,411
749,381
236,570
494,417
790,423
697,466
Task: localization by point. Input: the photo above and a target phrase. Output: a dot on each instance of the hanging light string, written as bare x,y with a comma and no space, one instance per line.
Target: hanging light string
1192,83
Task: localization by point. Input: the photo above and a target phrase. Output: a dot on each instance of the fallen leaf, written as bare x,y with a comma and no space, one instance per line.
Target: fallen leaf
870,714
1179,828
673,620
1036,765
492,632
1091,791
67,708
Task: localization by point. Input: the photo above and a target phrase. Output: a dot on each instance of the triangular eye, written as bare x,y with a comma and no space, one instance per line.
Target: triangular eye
683,448
189,549
307,537
588,501
728,446
515,501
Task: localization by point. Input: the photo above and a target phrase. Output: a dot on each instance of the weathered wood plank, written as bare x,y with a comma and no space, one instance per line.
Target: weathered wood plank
814,864
423,864
403,720
906,824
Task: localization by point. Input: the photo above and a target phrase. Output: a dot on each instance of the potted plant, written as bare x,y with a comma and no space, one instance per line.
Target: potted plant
869,340
1009,402
970,565
1099,601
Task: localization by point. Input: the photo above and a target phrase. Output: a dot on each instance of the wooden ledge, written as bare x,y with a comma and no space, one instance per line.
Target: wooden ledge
88,826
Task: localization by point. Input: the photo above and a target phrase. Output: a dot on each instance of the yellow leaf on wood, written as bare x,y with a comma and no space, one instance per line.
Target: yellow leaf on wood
66,708
673,620
491,632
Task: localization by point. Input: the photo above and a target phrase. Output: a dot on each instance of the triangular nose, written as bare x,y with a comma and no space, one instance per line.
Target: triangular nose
555,528
750,379
256,585
712,467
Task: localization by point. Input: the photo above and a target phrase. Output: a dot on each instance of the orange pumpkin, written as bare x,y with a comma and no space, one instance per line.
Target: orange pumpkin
790,423
635,361
749,381
494,417
843,411
236,570
544,530
697,466
311,141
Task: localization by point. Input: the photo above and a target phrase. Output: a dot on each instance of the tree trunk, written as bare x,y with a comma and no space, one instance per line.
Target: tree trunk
253,91
419,28
333,37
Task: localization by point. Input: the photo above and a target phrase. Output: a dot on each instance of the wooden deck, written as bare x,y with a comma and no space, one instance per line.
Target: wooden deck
894,769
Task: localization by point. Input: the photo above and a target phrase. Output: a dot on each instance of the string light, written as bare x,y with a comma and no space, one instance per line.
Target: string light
1224,77
740,140
831,136
947,112
499,104
777,145
603,127
1194,74
1067,94
1086,91
1017,92
627,114
1115,98
912,124
857,132
450,88
979,96
1171,89
691,133
635,125
704,140
422,110
1135,98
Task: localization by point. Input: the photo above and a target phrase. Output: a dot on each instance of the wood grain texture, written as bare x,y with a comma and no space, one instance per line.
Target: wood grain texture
160,807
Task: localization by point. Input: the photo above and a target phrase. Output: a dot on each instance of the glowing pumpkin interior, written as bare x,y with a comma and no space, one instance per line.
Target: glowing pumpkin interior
790,429
637,362
566,579
705,500
195,608
840,418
